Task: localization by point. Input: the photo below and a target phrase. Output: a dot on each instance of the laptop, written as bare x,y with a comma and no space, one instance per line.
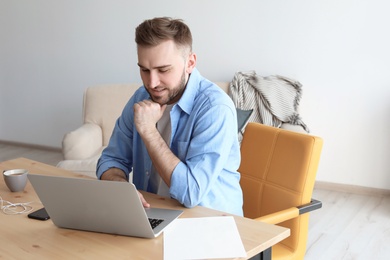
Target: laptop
99,206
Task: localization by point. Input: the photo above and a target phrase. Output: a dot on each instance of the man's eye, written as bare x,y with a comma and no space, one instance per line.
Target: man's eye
164,70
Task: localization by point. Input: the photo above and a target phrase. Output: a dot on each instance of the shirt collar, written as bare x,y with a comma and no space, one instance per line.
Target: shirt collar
186,101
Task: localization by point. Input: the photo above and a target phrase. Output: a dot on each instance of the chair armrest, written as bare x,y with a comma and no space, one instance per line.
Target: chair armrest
83,142
290,213
280,216
313,205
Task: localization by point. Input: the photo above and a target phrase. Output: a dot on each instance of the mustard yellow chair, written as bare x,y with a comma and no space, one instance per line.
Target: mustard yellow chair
278,170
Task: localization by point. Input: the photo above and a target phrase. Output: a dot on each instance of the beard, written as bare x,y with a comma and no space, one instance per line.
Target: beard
174,94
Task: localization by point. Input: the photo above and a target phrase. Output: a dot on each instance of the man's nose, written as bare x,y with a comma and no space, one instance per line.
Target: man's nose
154,79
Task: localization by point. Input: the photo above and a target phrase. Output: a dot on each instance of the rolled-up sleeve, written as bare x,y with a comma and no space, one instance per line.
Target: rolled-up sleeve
118,153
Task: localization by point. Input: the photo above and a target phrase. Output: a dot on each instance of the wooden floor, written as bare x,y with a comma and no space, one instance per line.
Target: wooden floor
349,226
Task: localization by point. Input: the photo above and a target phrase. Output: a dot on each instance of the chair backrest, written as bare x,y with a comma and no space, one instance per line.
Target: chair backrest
103,105
278,169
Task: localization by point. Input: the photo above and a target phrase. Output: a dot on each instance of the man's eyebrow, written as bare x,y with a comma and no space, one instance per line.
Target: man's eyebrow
157,67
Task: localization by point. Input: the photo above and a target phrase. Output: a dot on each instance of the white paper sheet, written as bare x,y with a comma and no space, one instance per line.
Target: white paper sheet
203,238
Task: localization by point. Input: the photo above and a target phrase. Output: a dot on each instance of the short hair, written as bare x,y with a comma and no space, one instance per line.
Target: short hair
154,31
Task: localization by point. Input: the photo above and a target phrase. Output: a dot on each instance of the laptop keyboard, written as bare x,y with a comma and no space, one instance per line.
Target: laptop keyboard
155,222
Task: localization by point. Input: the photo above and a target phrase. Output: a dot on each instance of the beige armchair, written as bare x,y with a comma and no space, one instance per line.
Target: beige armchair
102,105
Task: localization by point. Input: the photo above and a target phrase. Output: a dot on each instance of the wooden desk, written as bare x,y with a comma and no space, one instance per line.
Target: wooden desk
24,238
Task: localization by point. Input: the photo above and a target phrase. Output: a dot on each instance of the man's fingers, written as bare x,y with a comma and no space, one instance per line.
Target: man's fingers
144,202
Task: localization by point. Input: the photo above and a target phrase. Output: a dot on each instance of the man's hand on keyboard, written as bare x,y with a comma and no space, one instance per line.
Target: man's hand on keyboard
144,202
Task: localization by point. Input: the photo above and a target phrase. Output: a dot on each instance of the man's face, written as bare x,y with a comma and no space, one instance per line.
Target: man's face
164,71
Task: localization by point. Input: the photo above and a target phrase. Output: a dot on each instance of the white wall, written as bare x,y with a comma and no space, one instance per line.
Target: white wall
338,49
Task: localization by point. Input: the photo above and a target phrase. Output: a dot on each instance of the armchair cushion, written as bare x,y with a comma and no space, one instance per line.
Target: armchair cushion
83,142
85,167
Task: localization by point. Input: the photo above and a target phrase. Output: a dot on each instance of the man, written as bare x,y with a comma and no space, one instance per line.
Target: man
178,132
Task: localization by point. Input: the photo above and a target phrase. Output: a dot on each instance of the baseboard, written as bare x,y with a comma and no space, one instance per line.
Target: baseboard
351,188
32,146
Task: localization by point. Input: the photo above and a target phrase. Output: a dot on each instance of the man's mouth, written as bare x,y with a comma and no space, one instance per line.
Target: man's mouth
157,91
158,94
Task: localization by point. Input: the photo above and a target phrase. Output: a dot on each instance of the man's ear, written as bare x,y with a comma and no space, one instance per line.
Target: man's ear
191,62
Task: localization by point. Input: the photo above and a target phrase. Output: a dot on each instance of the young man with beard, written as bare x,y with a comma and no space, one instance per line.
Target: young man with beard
178,132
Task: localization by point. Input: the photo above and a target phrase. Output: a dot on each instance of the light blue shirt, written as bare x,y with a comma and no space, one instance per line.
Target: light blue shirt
204,138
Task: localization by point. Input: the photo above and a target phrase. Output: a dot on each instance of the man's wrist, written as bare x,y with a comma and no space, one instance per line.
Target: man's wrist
150,134
114,174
